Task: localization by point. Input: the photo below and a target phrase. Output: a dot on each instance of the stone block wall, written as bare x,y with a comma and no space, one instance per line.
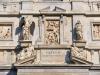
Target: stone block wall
66,15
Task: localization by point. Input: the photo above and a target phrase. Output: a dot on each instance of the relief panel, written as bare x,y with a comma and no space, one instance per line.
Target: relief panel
96,31
52,31
5,31
79,53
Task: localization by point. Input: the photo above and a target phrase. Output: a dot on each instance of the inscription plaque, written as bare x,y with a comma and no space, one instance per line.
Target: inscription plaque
53,56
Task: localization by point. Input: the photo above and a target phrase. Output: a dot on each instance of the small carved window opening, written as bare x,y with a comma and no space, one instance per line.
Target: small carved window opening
5,31
52,32
96,31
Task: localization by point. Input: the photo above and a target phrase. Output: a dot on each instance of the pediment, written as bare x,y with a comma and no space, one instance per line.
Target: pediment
58,9
55,9
47,9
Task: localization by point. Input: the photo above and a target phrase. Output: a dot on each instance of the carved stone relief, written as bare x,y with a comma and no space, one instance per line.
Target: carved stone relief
79,53
5,31
96,31
26,53
52,30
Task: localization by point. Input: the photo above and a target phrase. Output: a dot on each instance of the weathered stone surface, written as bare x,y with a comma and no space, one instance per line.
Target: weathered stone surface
51,33
53,56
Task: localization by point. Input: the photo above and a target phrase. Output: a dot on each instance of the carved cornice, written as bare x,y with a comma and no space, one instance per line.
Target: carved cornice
7,47
52,46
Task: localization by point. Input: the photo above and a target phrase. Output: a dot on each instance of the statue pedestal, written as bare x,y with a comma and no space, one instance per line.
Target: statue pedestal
25,43
80,43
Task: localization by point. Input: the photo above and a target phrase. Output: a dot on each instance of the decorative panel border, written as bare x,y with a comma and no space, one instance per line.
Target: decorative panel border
6,31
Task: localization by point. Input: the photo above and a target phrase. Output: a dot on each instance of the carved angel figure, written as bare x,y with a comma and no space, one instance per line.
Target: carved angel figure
79,32
25,25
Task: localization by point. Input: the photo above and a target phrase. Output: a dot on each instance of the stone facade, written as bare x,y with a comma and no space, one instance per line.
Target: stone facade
50,32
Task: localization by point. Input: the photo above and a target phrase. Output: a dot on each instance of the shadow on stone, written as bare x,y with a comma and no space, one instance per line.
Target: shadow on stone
68,57
32,27
13,70
74,34
21,24
18,49
18,31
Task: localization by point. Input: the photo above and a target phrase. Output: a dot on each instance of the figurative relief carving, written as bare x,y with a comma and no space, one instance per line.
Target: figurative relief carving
96,31
79,32
26,53
52,32
79,53
5,32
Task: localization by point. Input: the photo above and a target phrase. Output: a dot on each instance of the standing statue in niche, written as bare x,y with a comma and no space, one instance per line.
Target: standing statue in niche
79,32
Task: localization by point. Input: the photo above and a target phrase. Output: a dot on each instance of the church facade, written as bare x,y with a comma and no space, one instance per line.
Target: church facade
44,37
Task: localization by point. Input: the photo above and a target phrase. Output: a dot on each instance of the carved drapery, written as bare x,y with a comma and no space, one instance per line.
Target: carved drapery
79,53
52,30
26,53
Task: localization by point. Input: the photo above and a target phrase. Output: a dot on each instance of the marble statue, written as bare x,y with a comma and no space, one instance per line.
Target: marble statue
79,32
25,25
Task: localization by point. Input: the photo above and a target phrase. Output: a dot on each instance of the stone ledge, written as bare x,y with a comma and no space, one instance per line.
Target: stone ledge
7,47
53,46
44,66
